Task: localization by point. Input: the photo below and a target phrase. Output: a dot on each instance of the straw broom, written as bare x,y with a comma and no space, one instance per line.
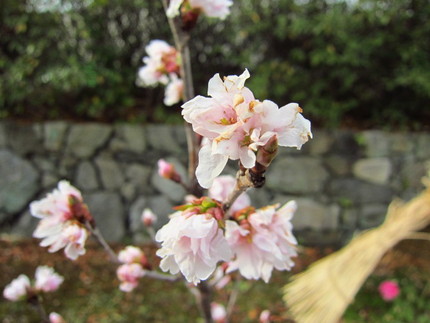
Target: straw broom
321,293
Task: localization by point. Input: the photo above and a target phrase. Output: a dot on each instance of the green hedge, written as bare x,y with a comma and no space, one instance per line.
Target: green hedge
355,63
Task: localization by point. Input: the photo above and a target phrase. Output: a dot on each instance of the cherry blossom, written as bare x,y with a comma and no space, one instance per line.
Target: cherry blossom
17,289
221,188
131,254
70,235
174,90
63,218
211,8
162,61
262,240
47,280
192,242
237,126
129,275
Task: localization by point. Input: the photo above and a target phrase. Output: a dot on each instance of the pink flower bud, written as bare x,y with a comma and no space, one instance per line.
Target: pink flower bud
148,217
264,316
167,170
47,280
389,290
56,318
17,289
219,314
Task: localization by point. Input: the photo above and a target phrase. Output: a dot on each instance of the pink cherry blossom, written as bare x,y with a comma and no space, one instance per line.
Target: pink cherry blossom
47,280
17,289
389,290
131,254
192,243
63,216
162,61
236,126
218,312
71,236
174,90
58,203
56,318
264,317
222,187
149,217
211,8
129,275
262,240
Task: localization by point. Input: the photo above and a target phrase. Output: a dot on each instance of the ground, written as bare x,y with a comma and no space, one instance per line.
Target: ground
90,291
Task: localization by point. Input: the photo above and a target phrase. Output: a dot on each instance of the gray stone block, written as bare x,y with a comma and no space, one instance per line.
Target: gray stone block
376,143
84,139
314,215
359,192
19,182
86,176
3,139
372,215
139,175
374,170
23,138
110,173
129,138
338,165
423,146
321,142
109,214
300,175
135,214
25,225
161,138
162,207
54,135
402,143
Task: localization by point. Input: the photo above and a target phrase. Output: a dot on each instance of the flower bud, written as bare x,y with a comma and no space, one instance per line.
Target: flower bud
148,217
264,316
167,170
56,318
267,153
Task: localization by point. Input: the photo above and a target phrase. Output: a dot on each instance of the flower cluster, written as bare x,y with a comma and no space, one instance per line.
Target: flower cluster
237,126
134,261
211,8
193,241
162,66
261,240
253,241
63,217
46,280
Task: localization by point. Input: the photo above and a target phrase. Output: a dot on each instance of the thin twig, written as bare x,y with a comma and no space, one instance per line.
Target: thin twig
243,182
204,299
157,275
99,237
232,299
35,300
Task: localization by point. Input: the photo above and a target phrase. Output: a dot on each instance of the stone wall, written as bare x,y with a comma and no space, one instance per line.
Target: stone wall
342,180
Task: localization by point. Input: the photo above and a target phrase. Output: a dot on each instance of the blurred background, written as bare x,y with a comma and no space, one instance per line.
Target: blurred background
356,63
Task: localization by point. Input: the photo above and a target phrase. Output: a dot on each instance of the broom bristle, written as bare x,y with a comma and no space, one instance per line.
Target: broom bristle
322,292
